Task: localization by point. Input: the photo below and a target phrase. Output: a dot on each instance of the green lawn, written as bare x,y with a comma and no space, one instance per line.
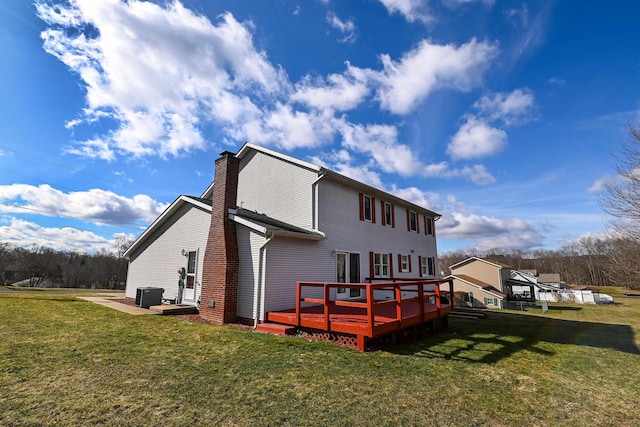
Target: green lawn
65,361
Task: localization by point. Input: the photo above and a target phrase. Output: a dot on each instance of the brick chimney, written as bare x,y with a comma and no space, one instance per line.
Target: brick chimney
219,296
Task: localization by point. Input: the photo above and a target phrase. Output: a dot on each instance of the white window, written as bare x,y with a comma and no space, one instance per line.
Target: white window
381,265
404,263
367,208
429,226
427,266
491,301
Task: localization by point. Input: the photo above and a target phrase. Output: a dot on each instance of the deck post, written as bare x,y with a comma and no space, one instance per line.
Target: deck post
370,313
398,303
327,302
437,288
421,300
362,343
298,297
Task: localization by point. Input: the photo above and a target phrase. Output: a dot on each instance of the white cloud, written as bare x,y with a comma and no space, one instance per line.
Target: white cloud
412,10
361,173
154,70
27,234
475,139
337,91
518,17
381,143
456,3
430,66
511,108
600,184
347,28
156,76
481,231
288,128
96,205
485,233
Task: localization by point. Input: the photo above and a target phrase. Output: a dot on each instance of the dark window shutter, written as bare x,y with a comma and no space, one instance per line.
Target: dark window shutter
391,265
409,256
383,215
373,210
393,216
399,263
408,221
426,229
371,270
361,207
420,265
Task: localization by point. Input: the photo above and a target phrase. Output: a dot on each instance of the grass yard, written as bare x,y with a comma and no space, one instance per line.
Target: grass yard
65,361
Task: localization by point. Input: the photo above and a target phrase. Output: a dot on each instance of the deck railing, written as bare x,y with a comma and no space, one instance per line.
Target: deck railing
370,305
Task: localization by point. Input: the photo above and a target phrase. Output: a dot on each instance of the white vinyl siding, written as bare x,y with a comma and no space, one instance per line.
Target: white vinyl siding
290,260
157,261
276,188
249,275
346,232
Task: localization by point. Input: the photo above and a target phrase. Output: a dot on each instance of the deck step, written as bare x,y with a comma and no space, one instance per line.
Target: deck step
276,328
174,309
467,315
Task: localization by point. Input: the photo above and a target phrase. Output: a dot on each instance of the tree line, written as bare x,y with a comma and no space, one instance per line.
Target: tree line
40,266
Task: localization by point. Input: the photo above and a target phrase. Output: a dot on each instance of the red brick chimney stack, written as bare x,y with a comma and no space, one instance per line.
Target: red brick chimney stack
219,296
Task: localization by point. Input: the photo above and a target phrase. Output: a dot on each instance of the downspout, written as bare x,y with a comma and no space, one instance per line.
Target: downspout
314,202
261,279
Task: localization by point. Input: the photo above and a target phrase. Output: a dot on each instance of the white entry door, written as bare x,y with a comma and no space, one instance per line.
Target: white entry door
348,271
190,282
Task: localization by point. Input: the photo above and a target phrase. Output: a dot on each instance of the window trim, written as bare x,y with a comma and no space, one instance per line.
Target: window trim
493,301
372,208
381,257
427,266
404,263
428,226
413,214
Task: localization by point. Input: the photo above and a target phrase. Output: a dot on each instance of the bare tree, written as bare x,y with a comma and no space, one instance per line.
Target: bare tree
621,200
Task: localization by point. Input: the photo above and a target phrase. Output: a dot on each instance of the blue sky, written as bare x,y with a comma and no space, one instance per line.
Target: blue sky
500,115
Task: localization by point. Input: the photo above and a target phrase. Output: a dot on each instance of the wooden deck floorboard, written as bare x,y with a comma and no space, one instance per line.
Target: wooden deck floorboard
354,320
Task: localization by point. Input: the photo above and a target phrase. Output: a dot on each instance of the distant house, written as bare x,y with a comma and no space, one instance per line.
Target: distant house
270,220
552,279
487,283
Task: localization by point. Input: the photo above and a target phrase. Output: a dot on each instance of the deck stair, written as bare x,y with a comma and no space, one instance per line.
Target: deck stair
174,309
276,328
474,315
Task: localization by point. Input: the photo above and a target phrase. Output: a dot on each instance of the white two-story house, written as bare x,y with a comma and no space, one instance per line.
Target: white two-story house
269,220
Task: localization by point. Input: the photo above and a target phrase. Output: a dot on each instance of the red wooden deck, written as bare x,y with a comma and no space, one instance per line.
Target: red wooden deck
413,303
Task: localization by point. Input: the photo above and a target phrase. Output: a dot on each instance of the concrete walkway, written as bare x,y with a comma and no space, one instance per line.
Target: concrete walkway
107,302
